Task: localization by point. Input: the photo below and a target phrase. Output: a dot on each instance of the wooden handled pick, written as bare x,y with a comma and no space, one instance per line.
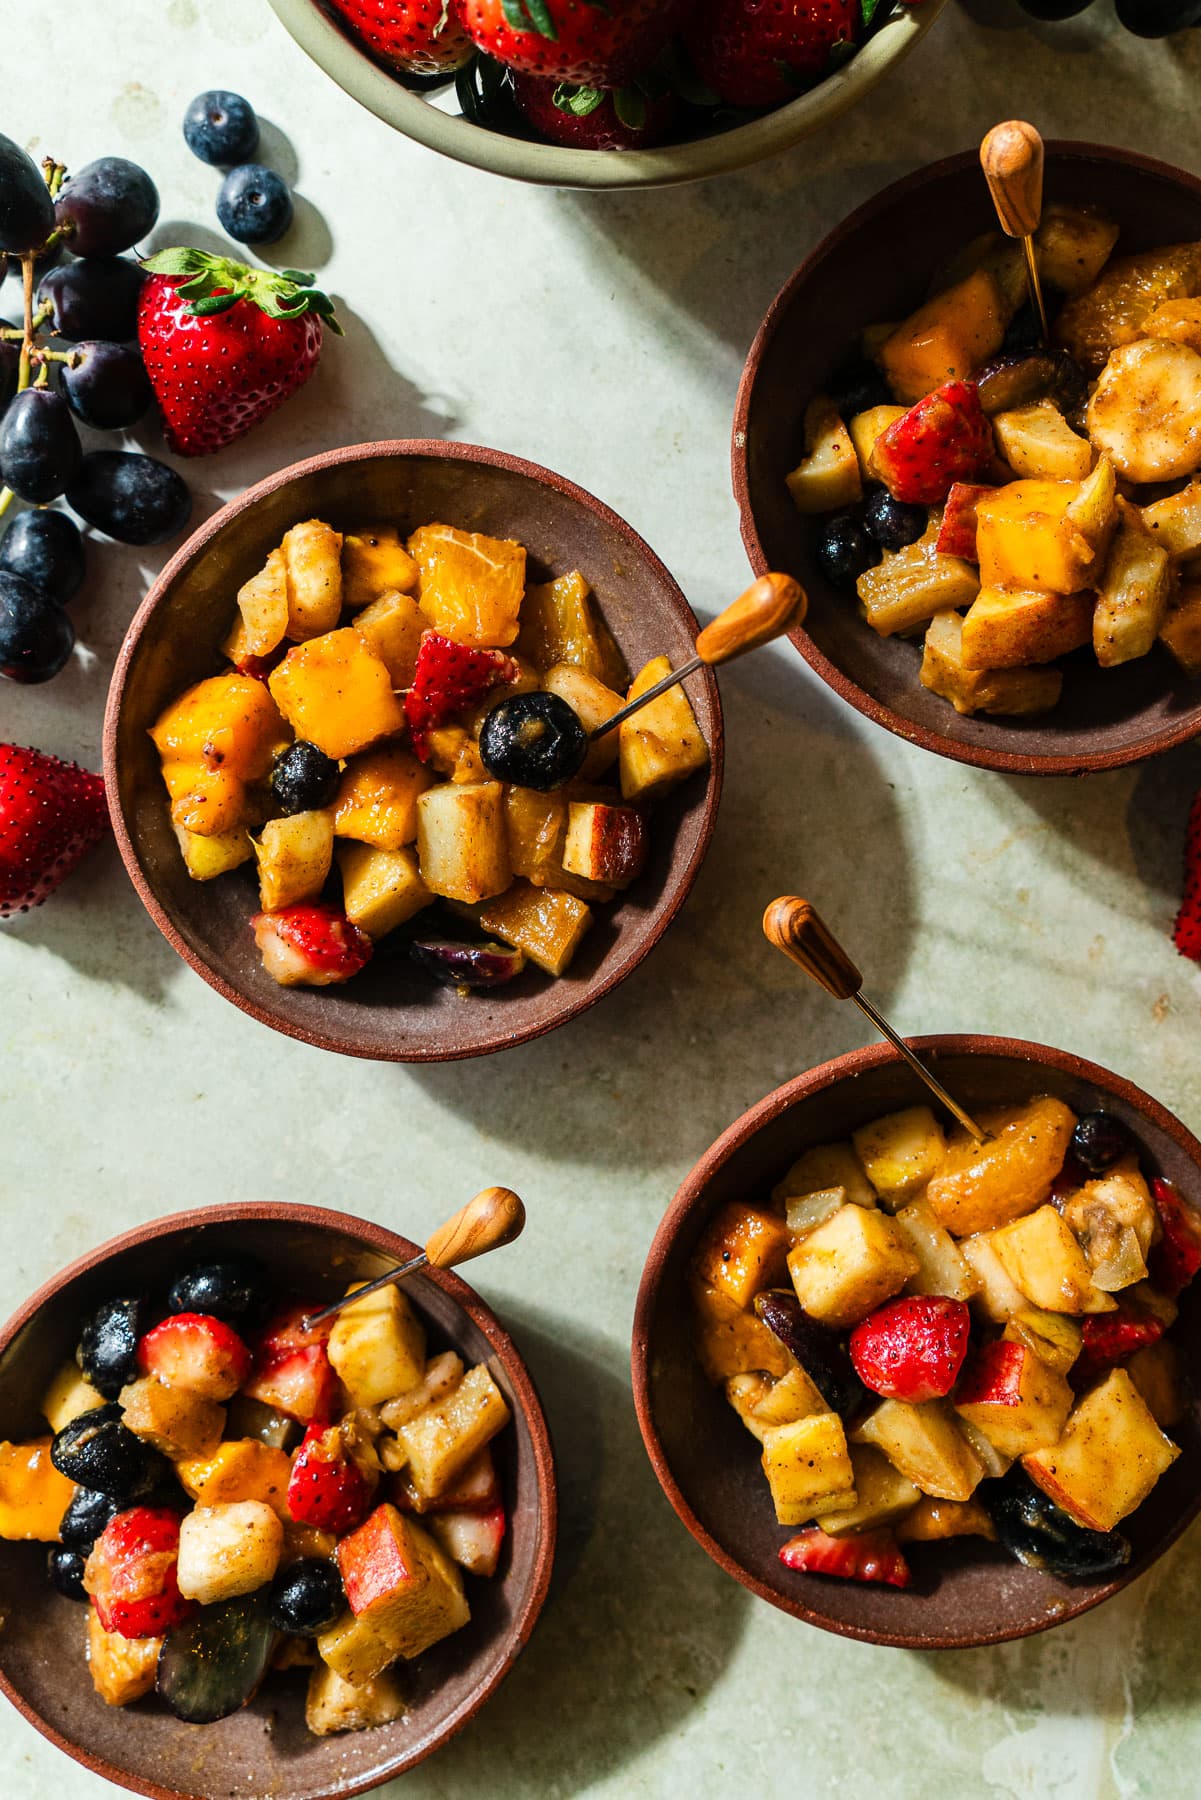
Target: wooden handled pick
494,1218
798,929
1012,159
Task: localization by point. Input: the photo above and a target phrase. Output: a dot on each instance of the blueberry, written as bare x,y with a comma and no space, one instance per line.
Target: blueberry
303,778
65,1569
46,548
307,1597
1040,1534
891,522
40,450
1099,1141
108,206
88,1512
857,384
534,740
106,385
221,128
254,204
108,1344
135,499
227,1289
98,1450
36,636
845,551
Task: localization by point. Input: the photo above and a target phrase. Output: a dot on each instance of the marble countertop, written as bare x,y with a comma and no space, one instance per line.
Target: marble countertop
603,335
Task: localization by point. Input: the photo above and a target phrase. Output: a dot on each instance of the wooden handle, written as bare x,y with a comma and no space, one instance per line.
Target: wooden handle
1012,159
796,928
495,1217
770,607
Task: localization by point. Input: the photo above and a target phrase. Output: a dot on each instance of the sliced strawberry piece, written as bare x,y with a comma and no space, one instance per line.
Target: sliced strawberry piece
1174,1261
942,440
1111,1338
472,1539
957,532
1187,933
913,1348
197,1352
327,1489
866,1556
131,1573
311,946
51,814
447,678
292,1371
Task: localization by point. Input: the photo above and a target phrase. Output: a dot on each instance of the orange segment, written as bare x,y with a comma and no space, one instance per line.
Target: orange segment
471,587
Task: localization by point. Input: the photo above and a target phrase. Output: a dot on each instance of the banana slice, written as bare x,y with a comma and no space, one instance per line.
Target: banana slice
1145,413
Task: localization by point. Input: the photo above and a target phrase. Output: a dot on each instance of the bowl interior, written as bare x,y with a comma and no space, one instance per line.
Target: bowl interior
965,1592
266,1749
394,1011
878,265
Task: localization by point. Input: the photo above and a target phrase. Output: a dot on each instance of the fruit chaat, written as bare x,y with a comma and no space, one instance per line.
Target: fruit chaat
934,1338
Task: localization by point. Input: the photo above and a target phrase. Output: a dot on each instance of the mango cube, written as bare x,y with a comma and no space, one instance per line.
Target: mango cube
239,1469
374,563
377,797
946,338
1025,538
336,694
742,1250
33,1495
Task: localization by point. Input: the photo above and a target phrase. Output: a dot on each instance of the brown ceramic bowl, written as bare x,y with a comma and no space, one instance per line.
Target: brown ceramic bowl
394,1012
877,265
965,1592
266,1749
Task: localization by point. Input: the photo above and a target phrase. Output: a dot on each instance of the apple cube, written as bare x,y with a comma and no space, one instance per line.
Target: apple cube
605,843
239,1469
957,527
392,628
228,1550
441,1440
742,1250
927,1444
1133,595
1043,1258
1010,1395
174,1420
333,1705
462,845
1011,628
543,922
377,1345
827,1166
1036,440
68,1395
828,474
476,1489
808,1467
592,702
794,1396
471,1539
377,797
844,1269
983,1185
741,1345
294,855
882,1494
263,612
381,889
942,1268
900,1153
375,563
1109,1458
1009,692
207,857
662,744
1054,1338
400,1584
33,1495
336,694
996,1296
123,1669
442,1373
313,560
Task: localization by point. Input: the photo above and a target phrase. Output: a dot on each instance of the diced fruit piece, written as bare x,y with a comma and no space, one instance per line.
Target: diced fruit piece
882,1494
1114,310
1094,510
932,1521
849,1265
605,843
336,694
1054,1338
401,1584
828,474
536,824
357,1649
559,624
1177,320
1175,1260
865,429
1038,441
912,1349
941,1266
263,612
198,1352
872,1556
740,1345
927,1444
470,586
548,926
122,1668
1073,244
228,1550
238,1469
214,739
742,1250
1010,628
312,554
1010,1395
805,1212
909,586
1175,521
309,945
377,798
381,889
462,844
327,1488
472,1539
996,1296
827,1166
808,1468
822,1355
294,855
957,527
1025,538
1109,1458
1181,630
455,754
175,1420
1115,1219
392,629
132,1573
461,965
593,703
1007,691
1145,411
900,1153
1042,1536
1042,1257
942,439
944,340
449,677
1133,595
33,1495
475,1489
1111,1338
662,744
377,1345
333,1705
443,1439
68,1395
794,1396
1155,1372
207,857
442,1374
214,1664
982,1185
744,1391
374,563
292,1372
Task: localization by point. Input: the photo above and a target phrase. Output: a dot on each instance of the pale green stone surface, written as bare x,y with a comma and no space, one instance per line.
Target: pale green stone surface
604,336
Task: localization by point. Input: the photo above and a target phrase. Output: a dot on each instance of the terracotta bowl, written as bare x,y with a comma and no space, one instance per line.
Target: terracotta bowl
266,1749
394,1012
877,265
965,1592
427,118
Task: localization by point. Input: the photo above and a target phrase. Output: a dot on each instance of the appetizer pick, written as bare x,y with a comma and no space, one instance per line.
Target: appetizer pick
1012,159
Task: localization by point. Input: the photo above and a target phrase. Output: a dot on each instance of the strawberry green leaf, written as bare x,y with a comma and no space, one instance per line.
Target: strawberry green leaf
868,9
284,295
529,15
578,101
630,107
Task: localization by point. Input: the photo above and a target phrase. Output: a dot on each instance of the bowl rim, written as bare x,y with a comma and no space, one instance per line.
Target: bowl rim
670,900
556,165
1006,762
398,1249
689,1196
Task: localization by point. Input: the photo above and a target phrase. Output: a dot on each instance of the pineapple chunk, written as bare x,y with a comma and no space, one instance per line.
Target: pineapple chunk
1109,1458
1043,1259
392,629
294,855
336,694
865,428
1132,600
332,1704
374,563
737,1345
33,1495
1181,629
174,1420
462,846
239,1469
1008,691
882,1494
442,1439
67,1396
1145,411
313,562
805,1212
381,889
377,798
207,857
377,1346
536,824
742,1250
941,1265
1010,628
262,621
1073,244
1038,441
996,1296
808,1467
908,587
846,1267
1054,1338
358,1650
931,1521
1117,306
1012,1397
828,474
228,1550
1026,538
982,1185
826,1166
593,703
794,1396
927,1444
213,739
1175,521
900,1153
401,1585
662,744
946,339
546,924
559,625
470,586
123,1669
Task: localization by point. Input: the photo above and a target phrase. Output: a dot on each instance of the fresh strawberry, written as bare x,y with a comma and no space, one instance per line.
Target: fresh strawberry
865,1556
957,532
913,1348
472,1539
327,1488
1176,1258
1109,1338
419,36
291,1370
197,1352
764,52
225,344
1187,935
51,813
314,946
131,1573
595,43
593,118
448,677
942,440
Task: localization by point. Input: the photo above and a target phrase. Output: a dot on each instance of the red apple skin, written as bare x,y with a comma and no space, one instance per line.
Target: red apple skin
957,533
1047,1482
613,844
371,1563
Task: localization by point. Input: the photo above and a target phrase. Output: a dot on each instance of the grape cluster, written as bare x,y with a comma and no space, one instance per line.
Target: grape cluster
1145,18
254,204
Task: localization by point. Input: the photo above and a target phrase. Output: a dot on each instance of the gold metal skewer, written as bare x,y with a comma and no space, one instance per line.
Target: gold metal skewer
1012,159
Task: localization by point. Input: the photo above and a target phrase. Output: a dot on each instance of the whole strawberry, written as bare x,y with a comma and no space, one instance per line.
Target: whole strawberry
597,43
765,52
1187,935
912,1349
51,814
224,344
593,118
419,36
